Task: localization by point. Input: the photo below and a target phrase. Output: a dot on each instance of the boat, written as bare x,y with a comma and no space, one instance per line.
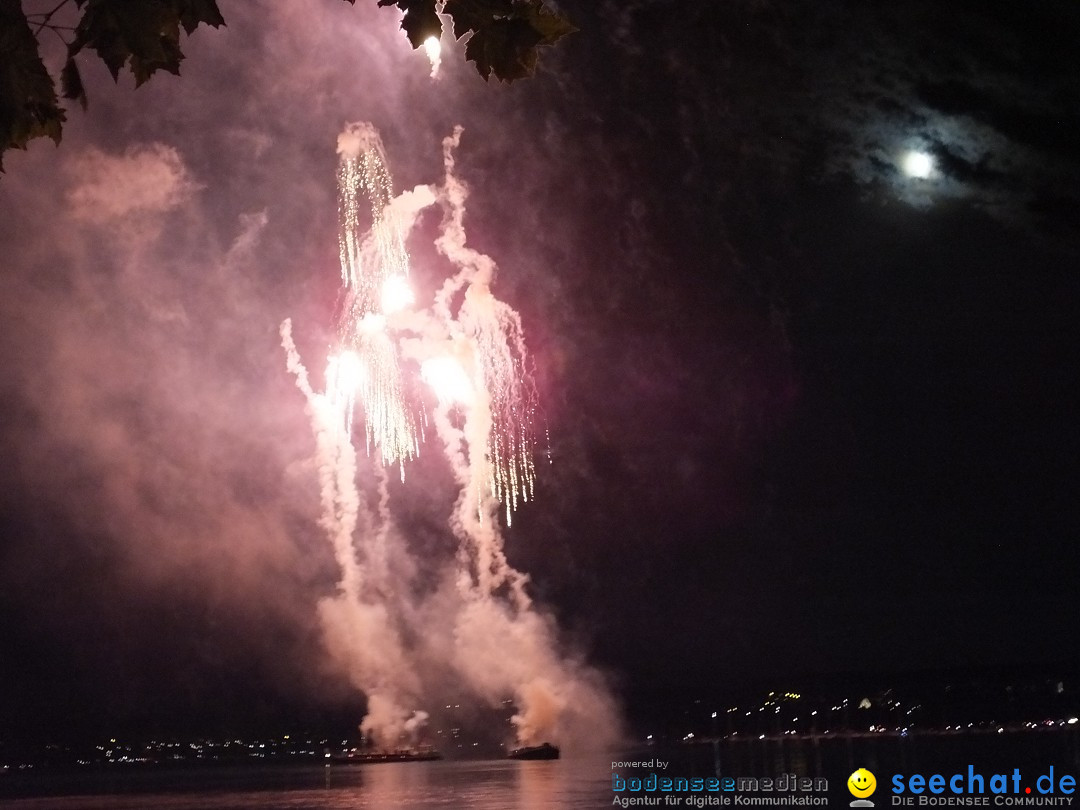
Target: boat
542,751
421,754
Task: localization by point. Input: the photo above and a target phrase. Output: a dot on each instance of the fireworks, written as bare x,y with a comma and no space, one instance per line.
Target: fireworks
367,380
449,380
374,271
468,348
496,331
367,258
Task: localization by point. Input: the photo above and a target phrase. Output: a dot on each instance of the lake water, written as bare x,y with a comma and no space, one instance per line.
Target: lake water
571,782
496,785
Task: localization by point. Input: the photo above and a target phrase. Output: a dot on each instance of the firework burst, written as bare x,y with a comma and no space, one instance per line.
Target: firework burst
501,360
374,271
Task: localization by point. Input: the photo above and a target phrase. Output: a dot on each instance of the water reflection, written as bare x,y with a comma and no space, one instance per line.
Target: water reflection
538,784
571,782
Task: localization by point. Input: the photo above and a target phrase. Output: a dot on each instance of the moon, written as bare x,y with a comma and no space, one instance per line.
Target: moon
918,164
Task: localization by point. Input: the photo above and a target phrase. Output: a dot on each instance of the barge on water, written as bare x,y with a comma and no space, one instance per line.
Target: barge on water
542,751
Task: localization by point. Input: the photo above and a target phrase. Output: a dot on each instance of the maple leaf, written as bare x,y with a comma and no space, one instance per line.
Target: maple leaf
504,35
143,34
421,20
28,104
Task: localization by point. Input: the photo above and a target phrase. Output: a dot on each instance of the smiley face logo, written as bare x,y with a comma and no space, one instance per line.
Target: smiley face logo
861,783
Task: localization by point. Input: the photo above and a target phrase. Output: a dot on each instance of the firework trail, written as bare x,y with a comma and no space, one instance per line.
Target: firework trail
500,361
502,644
360,634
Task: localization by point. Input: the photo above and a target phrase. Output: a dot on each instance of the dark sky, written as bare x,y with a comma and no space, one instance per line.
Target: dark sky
807,414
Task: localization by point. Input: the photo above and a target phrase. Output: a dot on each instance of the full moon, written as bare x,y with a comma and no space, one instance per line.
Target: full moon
918,164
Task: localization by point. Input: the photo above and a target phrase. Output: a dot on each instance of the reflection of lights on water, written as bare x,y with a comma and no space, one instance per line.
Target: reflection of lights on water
918,164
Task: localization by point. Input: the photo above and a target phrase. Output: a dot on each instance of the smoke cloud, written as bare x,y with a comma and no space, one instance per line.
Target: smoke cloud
146,179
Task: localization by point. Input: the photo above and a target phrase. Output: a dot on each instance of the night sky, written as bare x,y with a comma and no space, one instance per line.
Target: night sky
807,414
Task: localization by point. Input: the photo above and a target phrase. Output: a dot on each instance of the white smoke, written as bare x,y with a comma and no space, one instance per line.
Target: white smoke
358,629
146,179
415,724
358,138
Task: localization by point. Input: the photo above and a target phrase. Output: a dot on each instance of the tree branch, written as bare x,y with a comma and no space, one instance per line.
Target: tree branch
47,16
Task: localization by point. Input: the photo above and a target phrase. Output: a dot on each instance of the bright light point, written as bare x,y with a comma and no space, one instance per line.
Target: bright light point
918,164
447,379
396,294
433,49
372,323
346,371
